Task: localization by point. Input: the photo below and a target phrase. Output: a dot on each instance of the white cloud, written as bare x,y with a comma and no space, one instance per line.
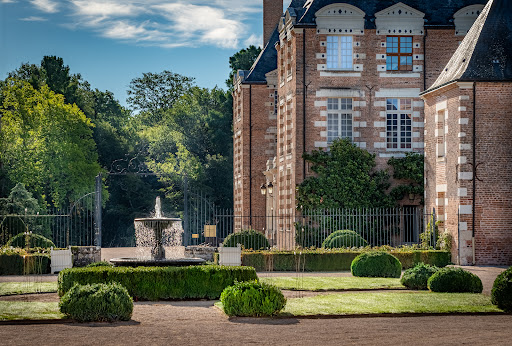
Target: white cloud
7,1
47,6
254,40
164,23
34,19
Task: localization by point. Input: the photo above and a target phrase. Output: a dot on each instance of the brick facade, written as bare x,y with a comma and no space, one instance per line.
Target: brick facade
304,84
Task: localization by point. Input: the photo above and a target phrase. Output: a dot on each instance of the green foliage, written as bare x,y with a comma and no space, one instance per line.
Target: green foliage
409,171
19,263
97,302
444,242
242,60
416,278
34,240
46,144
429,238
345,178
154,93
323,260
252,298
344,238
376,264
454,280
157,283
99,264
501,294
248,238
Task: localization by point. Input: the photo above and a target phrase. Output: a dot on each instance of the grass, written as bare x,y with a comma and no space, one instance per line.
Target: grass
332,283
10,288
29,311
389,302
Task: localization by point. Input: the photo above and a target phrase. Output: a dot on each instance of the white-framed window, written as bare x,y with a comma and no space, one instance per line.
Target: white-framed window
441,134
340,53
399,124
339,118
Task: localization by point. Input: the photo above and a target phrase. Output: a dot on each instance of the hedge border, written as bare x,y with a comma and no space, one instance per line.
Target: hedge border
161,283
16,264
334,261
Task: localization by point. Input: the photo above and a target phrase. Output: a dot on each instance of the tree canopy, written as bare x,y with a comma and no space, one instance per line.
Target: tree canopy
45,143
242,60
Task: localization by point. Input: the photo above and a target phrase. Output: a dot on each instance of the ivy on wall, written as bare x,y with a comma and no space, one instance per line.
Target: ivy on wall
409,171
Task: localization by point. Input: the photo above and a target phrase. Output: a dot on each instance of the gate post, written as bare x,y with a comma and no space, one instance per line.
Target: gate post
97,211
185,211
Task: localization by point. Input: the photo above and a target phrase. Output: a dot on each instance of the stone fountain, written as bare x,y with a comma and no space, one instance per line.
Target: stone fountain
159,242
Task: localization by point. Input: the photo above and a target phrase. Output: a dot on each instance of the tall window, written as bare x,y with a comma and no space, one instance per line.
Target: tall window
441,134
399,53
339,52
399,123
339,119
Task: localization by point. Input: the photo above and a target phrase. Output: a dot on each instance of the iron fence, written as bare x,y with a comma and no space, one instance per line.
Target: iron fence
74,226
377,226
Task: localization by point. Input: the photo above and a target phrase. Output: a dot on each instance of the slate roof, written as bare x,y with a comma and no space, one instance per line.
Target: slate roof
267,60
437,12
485,54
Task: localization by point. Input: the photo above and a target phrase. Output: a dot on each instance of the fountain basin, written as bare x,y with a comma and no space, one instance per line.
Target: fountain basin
165,262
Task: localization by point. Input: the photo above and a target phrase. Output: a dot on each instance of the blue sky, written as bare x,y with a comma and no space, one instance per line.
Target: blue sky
111,42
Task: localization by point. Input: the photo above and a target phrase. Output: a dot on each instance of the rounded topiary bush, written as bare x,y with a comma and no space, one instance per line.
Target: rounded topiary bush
97,302
416,278
248,238
251,298
344,238
34,240
454,280
376,264
501,294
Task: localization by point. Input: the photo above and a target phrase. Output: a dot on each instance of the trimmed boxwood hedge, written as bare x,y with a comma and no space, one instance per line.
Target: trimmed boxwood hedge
97,302
17,264
248,238
159,283
376,264
416,278
332,260
454,280
344,238
252,298
501,294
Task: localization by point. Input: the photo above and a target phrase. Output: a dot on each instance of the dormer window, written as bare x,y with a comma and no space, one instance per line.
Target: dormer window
339,53
399,53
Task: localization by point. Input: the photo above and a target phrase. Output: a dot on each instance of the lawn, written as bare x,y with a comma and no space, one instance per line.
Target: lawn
10,288
332,283
395,302
29,311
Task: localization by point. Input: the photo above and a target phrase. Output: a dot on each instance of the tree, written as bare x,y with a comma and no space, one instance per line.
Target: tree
346,178
242,60
46,144
154,93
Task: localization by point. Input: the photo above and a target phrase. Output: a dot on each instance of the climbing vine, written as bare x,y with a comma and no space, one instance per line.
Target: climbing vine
408,170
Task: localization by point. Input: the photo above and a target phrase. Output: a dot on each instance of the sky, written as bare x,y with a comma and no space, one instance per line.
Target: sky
110,42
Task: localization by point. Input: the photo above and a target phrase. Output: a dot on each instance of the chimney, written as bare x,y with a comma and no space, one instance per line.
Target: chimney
272,12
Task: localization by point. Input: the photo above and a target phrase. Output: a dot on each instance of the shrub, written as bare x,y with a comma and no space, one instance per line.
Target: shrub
97,302
99,264
252,299
248,238
13,263
454,280
416,278
376,264
344,238
157,283
501,294
35,240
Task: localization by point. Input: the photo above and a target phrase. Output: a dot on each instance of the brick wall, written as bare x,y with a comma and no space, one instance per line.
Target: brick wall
449,179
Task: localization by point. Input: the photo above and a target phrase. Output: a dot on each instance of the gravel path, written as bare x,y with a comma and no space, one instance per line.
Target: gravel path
200,323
